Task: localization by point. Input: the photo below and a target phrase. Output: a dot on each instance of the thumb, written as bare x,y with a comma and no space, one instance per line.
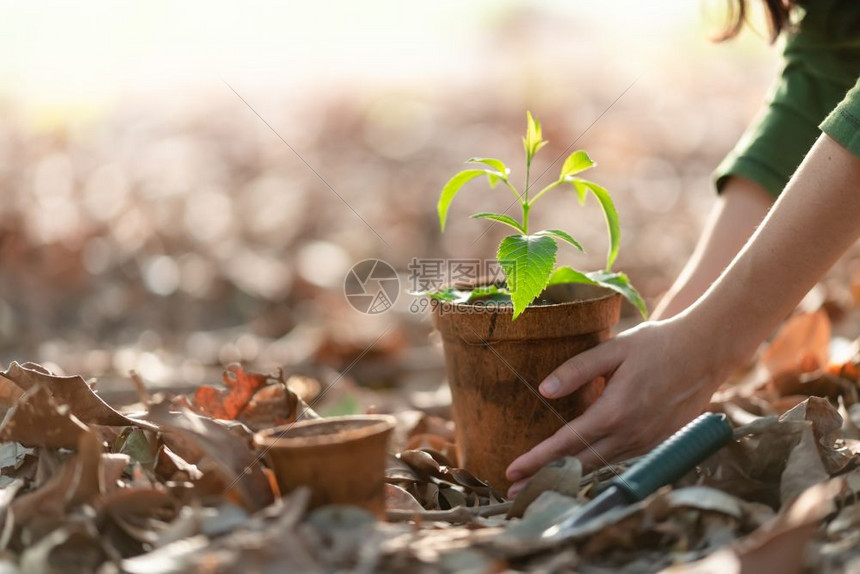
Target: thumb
582,369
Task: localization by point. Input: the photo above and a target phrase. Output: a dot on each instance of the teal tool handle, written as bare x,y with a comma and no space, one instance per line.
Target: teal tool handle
676,456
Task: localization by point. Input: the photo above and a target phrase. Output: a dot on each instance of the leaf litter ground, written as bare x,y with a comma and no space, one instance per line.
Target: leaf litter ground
173,484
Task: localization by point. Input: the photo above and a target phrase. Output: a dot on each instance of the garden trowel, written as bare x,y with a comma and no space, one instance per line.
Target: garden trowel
665,464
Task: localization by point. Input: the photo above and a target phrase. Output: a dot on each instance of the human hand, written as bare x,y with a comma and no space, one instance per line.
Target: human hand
659,377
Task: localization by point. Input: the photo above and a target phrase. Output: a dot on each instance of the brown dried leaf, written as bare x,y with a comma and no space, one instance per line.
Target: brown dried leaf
396,470
803,469
306,387
562,476
141,513
397,498
427,493
751,467
443,451
466,479
270,542
433,425
271,406
826,420
75,482
72,547
169,464
37,420
709,499
228,403
232,467
801,345
818,383
779,546
422,463
9,392
259,401
826,426
111,468
452,498
73,391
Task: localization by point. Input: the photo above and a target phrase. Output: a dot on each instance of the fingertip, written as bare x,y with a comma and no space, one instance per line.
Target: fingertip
516,488
550,386
513,473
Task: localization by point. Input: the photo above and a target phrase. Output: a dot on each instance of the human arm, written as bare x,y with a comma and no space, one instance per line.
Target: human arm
821,61
739,209
662,374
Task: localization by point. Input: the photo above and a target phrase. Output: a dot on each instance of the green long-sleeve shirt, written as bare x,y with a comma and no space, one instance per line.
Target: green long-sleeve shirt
821,63
843,123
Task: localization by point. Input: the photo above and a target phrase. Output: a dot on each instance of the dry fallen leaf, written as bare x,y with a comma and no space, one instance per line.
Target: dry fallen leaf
397,498
560,476
230,402
826,426
222,456
274,405
801,345
257,400
173,480
781,544
75,482
73,392
37,420
442,450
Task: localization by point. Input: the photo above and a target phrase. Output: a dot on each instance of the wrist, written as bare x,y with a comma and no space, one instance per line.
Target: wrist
717,342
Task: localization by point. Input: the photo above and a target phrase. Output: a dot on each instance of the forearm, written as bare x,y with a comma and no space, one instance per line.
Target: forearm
812,224
739,209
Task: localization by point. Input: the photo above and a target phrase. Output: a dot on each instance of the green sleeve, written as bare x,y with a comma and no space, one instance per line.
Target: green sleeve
843,123
821,63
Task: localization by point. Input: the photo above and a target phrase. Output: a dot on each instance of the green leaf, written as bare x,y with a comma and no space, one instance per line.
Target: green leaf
563,235
533,139
454,295
485,290
617,282
501,218
450,190
610,213
496,164
462,178
575,163
136,444
499,172
620,283
444,294
528,261
565,274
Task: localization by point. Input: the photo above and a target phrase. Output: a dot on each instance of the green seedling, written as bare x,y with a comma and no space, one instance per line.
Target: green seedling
529,258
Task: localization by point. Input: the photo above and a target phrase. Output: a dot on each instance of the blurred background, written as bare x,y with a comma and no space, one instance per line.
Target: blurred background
186,185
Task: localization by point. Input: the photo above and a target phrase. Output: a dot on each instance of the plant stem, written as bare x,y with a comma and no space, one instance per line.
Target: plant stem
546,189
526,206
528,170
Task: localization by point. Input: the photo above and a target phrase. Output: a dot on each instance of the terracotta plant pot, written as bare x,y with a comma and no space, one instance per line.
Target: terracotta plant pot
341,459
494,366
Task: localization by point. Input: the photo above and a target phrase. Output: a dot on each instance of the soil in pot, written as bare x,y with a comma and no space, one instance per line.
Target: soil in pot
341,459
495,365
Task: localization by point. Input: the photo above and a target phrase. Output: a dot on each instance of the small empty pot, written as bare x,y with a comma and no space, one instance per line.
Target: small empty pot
341,459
